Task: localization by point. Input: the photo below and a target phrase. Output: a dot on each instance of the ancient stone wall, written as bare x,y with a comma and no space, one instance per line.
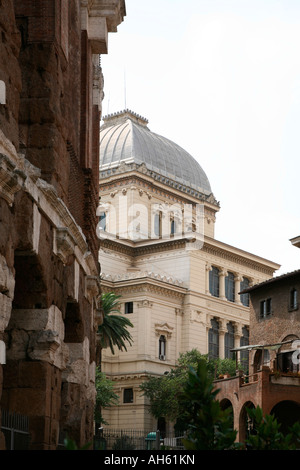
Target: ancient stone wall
50,106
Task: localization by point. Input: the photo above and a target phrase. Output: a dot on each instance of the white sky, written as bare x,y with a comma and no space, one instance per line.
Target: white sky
221,78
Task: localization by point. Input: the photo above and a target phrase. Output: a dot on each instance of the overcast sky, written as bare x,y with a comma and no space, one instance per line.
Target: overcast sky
221,78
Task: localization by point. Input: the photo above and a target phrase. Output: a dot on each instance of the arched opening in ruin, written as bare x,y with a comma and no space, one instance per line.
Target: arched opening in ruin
287,413
73,377
26,375
245,422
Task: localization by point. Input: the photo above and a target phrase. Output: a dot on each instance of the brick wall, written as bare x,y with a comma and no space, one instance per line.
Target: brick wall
10,72
282,321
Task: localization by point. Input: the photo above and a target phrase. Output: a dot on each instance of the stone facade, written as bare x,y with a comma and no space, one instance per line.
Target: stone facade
50,108
164,281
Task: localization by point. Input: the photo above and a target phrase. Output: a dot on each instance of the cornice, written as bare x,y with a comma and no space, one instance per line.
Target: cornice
144,247
143,286
235,255
126,170
139,275
11,180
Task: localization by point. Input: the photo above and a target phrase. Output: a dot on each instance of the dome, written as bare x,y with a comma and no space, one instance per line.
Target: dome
125,138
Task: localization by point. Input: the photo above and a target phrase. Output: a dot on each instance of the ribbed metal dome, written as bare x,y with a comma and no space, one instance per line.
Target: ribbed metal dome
125,138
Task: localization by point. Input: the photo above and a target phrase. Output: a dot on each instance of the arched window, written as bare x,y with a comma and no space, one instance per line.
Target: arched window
213,340
229,287
214,281
229,341
162,348
245,297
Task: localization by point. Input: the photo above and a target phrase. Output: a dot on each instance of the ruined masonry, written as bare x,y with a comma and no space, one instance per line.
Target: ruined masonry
51,89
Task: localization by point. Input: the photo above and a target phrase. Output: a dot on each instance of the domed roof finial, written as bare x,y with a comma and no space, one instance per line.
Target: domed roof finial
125,114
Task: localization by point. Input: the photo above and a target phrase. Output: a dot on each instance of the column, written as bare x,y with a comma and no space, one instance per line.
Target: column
222,275
222,331
207,269
237,288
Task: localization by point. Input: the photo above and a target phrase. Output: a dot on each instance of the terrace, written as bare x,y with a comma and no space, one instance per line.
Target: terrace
276,391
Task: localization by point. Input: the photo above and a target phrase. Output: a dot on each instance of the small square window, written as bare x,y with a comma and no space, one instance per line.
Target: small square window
128,307
128,395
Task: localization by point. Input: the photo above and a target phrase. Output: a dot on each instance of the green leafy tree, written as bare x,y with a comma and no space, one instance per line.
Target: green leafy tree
164,392
209,427
113,332
266,434
105,396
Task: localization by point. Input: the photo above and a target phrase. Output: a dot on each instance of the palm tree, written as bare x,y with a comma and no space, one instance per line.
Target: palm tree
113,331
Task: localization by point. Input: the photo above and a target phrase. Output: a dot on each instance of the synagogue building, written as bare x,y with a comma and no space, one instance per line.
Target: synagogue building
179,285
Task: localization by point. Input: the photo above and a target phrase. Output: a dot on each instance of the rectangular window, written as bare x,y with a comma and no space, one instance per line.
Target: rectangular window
213,340
229,341
128,395
102,221
162,348
293,299
158,224
244,354
128,307
244,297
265,308
230,287
214,281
